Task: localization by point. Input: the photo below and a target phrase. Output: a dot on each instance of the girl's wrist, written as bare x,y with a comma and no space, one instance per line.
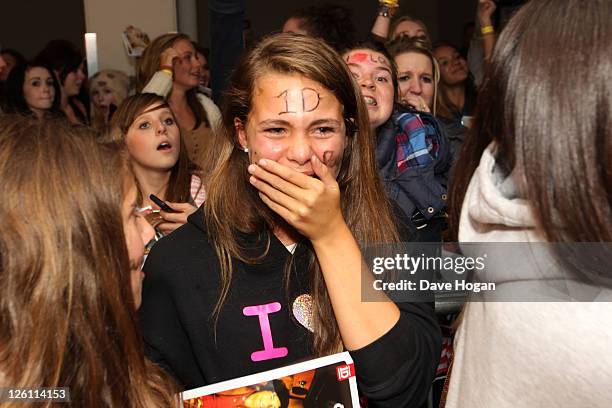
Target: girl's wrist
485,22
338,231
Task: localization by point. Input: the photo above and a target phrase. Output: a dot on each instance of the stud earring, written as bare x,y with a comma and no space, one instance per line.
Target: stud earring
246,149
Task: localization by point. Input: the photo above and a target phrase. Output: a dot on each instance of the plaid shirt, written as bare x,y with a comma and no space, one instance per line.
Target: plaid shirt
416,142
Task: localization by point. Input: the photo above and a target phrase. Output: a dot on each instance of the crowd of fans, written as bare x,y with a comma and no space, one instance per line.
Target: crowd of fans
252,187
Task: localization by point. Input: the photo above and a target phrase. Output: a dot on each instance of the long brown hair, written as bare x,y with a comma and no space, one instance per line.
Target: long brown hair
233,204
178,189
67,313
445,107
149,63
558,136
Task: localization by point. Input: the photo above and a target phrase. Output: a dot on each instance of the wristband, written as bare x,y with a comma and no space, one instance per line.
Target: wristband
390,3
487,30
167,71
386,11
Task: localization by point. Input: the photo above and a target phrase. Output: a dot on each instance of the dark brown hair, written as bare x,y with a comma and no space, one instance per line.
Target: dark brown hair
234,205
67,313
550,117
178,189
15,101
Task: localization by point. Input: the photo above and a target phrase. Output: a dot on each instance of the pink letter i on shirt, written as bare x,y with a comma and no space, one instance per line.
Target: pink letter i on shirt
269,352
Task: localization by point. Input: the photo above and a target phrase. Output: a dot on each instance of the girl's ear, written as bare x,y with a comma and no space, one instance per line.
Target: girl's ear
239,126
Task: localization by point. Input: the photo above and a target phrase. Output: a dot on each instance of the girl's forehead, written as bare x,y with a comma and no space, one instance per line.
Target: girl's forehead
366,57
154,108
36,71
183,46
288,95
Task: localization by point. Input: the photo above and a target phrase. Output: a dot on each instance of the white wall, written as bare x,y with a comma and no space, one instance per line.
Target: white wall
108,18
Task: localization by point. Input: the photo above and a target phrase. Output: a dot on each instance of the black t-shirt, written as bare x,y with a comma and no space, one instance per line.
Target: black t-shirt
180,292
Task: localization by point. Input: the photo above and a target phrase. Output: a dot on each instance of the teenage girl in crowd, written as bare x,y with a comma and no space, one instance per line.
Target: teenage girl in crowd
70,277
457,96
412,153
67,64
32,90
107,89
417,73
296,186
418,80
170,67
158,158
538,169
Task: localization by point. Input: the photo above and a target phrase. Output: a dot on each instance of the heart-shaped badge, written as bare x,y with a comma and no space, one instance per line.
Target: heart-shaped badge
302,310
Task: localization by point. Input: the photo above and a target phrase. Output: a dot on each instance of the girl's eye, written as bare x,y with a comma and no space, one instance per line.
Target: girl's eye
144,125
36,82
49,82
427,80
275,131
325,131
169,121
404,78
382,79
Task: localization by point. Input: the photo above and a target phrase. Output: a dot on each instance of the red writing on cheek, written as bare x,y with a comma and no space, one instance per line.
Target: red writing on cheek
327,158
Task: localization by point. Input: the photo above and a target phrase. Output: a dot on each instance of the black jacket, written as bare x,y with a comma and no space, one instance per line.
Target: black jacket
180,291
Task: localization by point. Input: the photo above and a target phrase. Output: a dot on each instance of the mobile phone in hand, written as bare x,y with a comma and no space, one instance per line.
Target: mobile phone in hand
165,207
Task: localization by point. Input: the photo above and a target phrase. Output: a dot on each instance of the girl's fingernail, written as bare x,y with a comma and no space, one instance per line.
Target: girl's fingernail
252,180
252,168
263,163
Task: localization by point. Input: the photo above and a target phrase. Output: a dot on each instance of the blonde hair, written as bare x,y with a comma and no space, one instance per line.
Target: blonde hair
407,17
119,84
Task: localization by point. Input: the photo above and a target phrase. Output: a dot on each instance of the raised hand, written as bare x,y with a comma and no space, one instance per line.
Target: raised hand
485,10
416,102
168,57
